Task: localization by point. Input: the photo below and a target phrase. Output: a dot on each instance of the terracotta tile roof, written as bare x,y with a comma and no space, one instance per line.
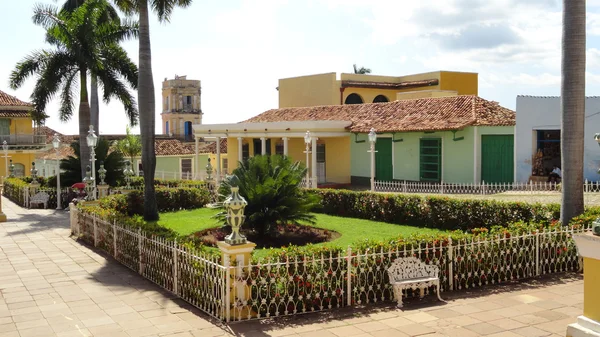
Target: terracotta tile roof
389,85
172,147
425,114
64,151
49,133
211,147
14,113
8,100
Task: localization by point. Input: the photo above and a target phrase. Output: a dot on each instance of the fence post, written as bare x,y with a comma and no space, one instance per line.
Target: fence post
115,237
95,231
175,253
442,187
348,276
139,234
450,264
227,298
73,219
537,253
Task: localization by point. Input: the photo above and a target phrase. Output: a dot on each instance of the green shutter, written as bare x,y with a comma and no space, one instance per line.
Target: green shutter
430,164
384,169
4,127
497,158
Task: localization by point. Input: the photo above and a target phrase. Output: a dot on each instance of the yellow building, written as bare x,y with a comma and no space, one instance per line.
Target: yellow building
16,129
181,107
327,89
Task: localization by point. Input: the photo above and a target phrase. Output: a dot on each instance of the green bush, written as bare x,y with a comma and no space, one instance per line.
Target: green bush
434,212
13,190
139,182
168,200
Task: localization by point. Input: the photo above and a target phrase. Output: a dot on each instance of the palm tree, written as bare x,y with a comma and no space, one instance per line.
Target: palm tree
572,108
130,146
361,70
112,160
163,9
109,14
82,44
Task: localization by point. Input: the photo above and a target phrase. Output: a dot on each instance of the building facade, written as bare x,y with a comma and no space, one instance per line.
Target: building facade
181,107
327,89
537,137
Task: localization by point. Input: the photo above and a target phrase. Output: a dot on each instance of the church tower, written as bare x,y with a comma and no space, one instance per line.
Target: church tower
181,107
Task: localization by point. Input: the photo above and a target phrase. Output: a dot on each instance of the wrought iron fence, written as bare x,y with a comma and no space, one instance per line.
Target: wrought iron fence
483,188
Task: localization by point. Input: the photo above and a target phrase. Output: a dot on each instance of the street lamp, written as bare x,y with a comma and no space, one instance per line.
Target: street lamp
372,140
56,146
92,141
307,141
596,224
5,148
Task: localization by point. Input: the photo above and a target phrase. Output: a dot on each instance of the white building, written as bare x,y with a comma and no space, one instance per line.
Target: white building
538,129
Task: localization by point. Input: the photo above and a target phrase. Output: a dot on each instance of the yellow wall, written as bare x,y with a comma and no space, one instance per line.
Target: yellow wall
591,288
313,90
424,94
464,83
25,158
21,126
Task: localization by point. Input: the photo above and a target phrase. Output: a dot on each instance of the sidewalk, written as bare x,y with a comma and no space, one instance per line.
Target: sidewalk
51,285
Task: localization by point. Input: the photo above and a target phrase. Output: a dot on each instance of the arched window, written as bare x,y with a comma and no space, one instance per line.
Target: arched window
380,99
353,99
19,170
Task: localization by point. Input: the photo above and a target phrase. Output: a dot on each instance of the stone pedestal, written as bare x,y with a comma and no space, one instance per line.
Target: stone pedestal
33,188
588,247
102,191
238,257
2,215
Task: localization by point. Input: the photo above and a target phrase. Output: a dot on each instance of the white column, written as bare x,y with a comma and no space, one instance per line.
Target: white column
196,158
240,149
314,162
263,145
218,159
285,146
475,156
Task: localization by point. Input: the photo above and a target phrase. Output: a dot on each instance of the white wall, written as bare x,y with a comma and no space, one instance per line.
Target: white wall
543,113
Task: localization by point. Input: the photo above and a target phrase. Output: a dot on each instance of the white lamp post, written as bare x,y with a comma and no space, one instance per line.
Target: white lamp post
56,146
307,141
92,141
5,148
372,140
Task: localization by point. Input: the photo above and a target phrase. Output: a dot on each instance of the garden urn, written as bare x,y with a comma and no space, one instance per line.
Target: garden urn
235,205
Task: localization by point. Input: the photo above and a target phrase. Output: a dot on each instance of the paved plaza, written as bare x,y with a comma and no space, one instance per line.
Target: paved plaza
51,285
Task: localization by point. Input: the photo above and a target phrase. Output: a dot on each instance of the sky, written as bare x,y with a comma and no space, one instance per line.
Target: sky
240,48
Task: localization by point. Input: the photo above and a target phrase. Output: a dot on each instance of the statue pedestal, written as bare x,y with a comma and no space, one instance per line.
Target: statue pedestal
102,191
238,257
588,325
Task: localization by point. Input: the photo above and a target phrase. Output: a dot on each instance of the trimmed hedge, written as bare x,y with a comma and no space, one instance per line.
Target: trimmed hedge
139,182
168,200
434,212
13,190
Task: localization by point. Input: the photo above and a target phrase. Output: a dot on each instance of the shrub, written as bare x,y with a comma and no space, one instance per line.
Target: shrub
13,190
139,182
271,186
168,200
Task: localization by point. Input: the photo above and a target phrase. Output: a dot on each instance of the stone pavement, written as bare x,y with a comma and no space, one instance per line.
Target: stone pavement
51,285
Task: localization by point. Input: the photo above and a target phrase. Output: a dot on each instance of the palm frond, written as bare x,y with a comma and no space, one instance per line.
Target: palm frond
67,104
30,65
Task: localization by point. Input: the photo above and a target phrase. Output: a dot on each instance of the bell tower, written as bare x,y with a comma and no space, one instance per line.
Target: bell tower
181,107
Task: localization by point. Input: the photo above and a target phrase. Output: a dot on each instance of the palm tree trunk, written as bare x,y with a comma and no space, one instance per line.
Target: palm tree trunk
84,121
572,108
94,105
147,113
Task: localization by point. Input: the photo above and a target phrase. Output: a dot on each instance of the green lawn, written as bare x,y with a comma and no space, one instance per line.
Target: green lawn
351,230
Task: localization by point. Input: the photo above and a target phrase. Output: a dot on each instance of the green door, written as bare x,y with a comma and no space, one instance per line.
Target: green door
384,170
430,164
497,158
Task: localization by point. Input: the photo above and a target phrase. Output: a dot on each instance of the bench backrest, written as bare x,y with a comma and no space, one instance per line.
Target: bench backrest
40,197
405,268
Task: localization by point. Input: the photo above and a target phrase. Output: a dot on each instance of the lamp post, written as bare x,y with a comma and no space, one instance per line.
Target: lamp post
596,224
307,141
372,140
92,141
11,169
56,146
5,148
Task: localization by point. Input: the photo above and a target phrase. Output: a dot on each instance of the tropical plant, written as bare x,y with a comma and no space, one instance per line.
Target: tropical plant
82,44
361,70
572,108
271,186
110,14
163,9
112,160
130,146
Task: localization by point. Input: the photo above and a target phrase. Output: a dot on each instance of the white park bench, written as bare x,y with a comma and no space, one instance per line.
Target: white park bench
39,198
412,273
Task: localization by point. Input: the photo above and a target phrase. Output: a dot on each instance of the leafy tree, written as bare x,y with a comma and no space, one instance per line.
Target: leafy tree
82,43
271,186
572,109
130,146
361,70
112,160
163,9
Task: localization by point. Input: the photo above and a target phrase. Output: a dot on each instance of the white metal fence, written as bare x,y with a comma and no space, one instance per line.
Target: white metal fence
331,279
483,188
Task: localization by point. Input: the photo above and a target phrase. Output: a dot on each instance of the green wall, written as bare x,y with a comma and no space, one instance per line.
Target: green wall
458,156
